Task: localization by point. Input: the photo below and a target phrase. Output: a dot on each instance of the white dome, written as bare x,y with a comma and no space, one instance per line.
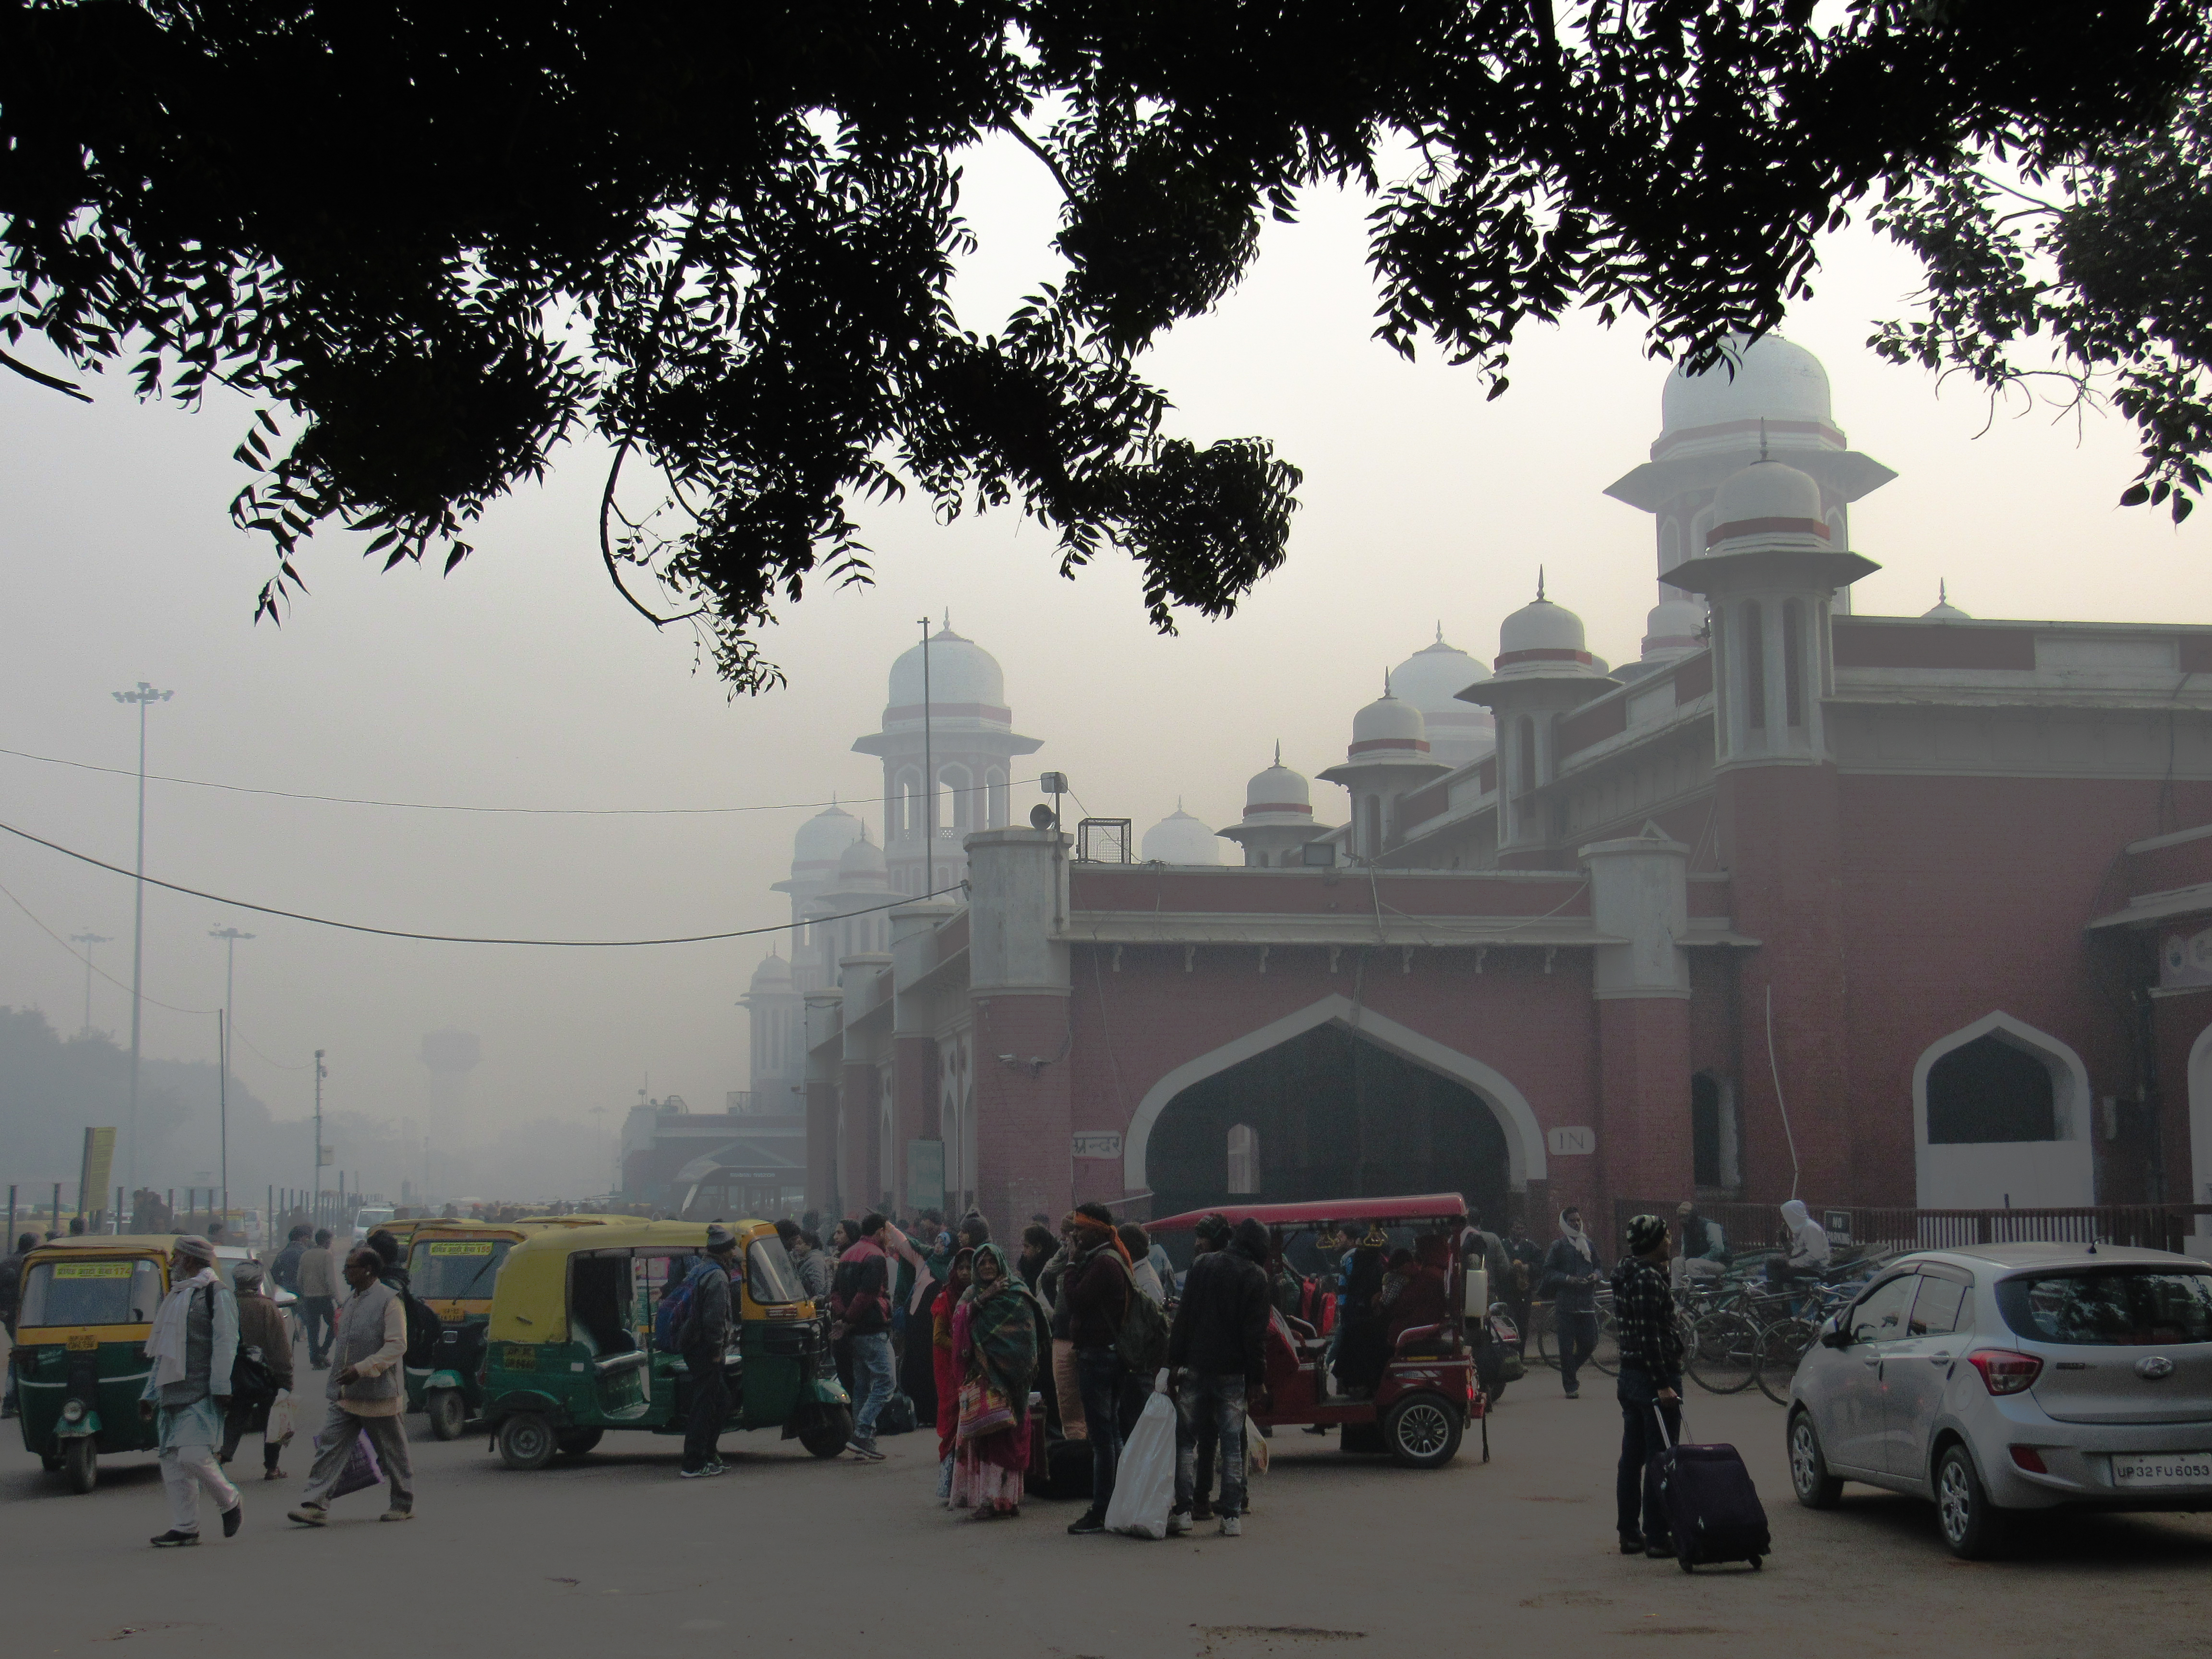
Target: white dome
1433,677
1389,720
824,835
1771,378
1943,610
1278,789
773,975
1541,626
1673,627
960,672
1180,838
1768,505
861,863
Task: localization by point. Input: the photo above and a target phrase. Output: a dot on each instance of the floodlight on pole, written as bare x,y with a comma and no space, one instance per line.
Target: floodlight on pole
88,940
229,936
142,696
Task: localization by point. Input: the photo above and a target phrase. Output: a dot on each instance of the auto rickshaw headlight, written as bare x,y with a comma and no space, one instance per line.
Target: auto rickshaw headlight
73,1411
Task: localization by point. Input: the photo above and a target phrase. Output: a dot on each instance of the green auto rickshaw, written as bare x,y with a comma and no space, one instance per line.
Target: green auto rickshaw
80,1355
569,1352
452,1266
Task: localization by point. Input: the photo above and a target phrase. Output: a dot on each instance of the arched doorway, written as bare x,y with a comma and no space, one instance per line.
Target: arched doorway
2001,1120
1327,1113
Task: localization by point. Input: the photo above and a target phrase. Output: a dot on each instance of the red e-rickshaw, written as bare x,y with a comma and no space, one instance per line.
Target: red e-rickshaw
1426,1394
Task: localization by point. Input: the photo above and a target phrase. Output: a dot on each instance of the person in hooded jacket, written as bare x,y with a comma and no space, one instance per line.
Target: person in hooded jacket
1571,1274
1808,1254
1217,1357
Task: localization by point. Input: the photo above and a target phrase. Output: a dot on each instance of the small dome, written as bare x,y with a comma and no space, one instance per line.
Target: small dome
1541,626
1672,627
861,863
1433,677
1180,838
960,672
1771,378
773,975
824,835
1944,610
1389,722
1278,789
1768,505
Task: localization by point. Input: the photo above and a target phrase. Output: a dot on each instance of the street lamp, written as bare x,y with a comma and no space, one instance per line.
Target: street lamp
144,694
88,940
229,936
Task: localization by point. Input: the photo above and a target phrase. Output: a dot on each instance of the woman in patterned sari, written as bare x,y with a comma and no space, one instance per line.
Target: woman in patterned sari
948,1371
994,1336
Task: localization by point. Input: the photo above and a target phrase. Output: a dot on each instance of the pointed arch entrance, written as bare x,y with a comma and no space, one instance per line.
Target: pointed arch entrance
1339,1099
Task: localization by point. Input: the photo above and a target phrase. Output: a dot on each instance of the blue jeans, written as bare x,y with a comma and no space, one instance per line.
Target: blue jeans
1098,1373
1205,1399
871,1366
1577,1342
1633,1489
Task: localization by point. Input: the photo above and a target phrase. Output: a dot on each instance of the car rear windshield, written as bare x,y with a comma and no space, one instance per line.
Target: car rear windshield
2109,1307
456,1268
91,1293
773,1276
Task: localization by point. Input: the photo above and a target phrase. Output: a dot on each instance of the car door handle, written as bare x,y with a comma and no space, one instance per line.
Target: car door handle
1871,1361
1939,1359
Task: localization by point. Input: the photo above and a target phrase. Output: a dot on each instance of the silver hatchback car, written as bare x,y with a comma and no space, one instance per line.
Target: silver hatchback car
2009,1378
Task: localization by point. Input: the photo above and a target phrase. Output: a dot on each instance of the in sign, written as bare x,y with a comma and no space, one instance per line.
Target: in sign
1097,1143
1571,1143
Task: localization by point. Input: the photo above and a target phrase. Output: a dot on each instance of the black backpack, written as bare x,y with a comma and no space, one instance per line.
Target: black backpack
252,1382
424,1330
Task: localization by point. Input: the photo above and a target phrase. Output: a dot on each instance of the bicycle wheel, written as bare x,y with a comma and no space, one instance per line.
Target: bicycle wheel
1606,1355
1781,1346
1723,1352
1546,1320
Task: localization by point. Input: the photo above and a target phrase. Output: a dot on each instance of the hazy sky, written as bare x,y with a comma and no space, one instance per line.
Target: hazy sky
522,681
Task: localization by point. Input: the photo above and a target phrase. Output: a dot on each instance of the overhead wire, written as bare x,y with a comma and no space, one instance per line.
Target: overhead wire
452,806
466,939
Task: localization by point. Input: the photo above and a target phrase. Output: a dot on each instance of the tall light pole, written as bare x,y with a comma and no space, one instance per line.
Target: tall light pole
229,936
144,695
88,940
315,1187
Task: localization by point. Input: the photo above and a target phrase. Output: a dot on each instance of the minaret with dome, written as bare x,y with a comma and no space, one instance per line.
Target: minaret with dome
964,729
1278,817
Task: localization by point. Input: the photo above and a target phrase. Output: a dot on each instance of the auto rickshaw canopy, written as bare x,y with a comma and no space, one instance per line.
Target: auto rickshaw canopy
531,1301
1427,1206
111,1247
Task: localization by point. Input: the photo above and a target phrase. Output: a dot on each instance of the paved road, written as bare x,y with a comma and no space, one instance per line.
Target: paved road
1342,1558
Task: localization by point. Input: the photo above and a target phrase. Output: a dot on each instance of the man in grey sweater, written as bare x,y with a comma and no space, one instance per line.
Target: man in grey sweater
366,1394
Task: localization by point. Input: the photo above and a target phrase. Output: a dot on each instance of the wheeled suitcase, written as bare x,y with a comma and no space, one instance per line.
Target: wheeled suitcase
1710,1504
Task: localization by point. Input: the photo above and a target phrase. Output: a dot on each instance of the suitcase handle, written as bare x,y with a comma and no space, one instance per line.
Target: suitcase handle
1665,1445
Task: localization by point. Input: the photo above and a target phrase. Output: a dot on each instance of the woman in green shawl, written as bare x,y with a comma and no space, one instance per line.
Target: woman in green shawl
994,1339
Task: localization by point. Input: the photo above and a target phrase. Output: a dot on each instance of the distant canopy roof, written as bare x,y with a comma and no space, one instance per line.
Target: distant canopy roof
1429,1207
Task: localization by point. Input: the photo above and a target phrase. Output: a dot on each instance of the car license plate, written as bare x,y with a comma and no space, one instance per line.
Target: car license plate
2163,1469
82,1342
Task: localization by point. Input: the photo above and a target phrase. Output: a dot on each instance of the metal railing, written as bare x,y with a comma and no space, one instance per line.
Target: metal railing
1748,1227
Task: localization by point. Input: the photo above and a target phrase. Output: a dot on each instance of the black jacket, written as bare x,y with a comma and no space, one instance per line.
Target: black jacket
285,1269
1221,1324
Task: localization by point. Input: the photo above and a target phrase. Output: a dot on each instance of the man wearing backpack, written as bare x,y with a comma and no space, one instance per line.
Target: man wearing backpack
1217,1357
1098,1290
702,1338
859,1300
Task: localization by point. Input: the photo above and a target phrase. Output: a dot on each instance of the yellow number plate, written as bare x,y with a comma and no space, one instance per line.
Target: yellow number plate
481,1247
82,1342
92,1270
522,1359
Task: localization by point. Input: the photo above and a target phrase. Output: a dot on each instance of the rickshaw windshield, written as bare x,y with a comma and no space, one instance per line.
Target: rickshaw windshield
769,1274
91,1293
456,1269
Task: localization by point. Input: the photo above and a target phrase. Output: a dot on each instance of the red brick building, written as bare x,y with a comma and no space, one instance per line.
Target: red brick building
1889,911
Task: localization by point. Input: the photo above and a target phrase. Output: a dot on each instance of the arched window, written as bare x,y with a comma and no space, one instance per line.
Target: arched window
1524,771
1990,1091
1793,661
1700,528
1670,544
1754,667
1371,833
1243,1160
957,782
907,804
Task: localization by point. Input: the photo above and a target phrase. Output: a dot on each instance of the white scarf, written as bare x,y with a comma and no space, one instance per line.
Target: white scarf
1578,1238
165,1347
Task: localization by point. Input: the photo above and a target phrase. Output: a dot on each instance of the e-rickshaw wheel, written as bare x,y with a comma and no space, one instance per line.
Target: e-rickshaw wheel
826,1435
51,1463
447,1411
526,1442
575,1442
1422,1431
81,1463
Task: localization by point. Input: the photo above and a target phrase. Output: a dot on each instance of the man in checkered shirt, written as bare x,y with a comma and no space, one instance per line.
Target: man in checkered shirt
1650,1382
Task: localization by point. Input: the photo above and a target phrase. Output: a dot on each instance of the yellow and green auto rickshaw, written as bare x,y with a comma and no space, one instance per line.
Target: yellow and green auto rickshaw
80,1356
569,1352
452,1266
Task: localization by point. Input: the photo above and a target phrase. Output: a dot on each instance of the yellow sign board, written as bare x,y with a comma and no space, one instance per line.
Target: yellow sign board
92,1270
97,1166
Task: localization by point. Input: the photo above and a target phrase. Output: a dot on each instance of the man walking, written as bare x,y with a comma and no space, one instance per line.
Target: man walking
284,1270
318,1295
11,1301
860,1302
366,1394
190,1354
1649,1386
1097,1288
704,1339
1571,1277
1217,1355
260,1328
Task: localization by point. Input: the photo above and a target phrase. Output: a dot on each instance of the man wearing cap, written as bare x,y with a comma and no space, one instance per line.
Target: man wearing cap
261,1328
1649,1386
191,1351
704,1340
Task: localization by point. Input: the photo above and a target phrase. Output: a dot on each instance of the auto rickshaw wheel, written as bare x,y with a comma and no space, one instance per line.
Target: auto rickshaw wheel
81,1463
447,1411
51,1463
575,1442
828,1430
526,1442
1423,1432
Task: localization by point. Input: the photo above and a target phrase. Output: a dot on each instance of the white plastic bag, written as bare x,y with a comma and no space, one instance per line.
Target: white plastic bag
1144,1485
279,1429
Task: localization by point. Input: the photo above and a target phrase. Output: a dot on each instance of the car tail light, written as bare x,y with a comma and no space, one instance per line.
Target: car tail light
2029,1459
2004,1371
